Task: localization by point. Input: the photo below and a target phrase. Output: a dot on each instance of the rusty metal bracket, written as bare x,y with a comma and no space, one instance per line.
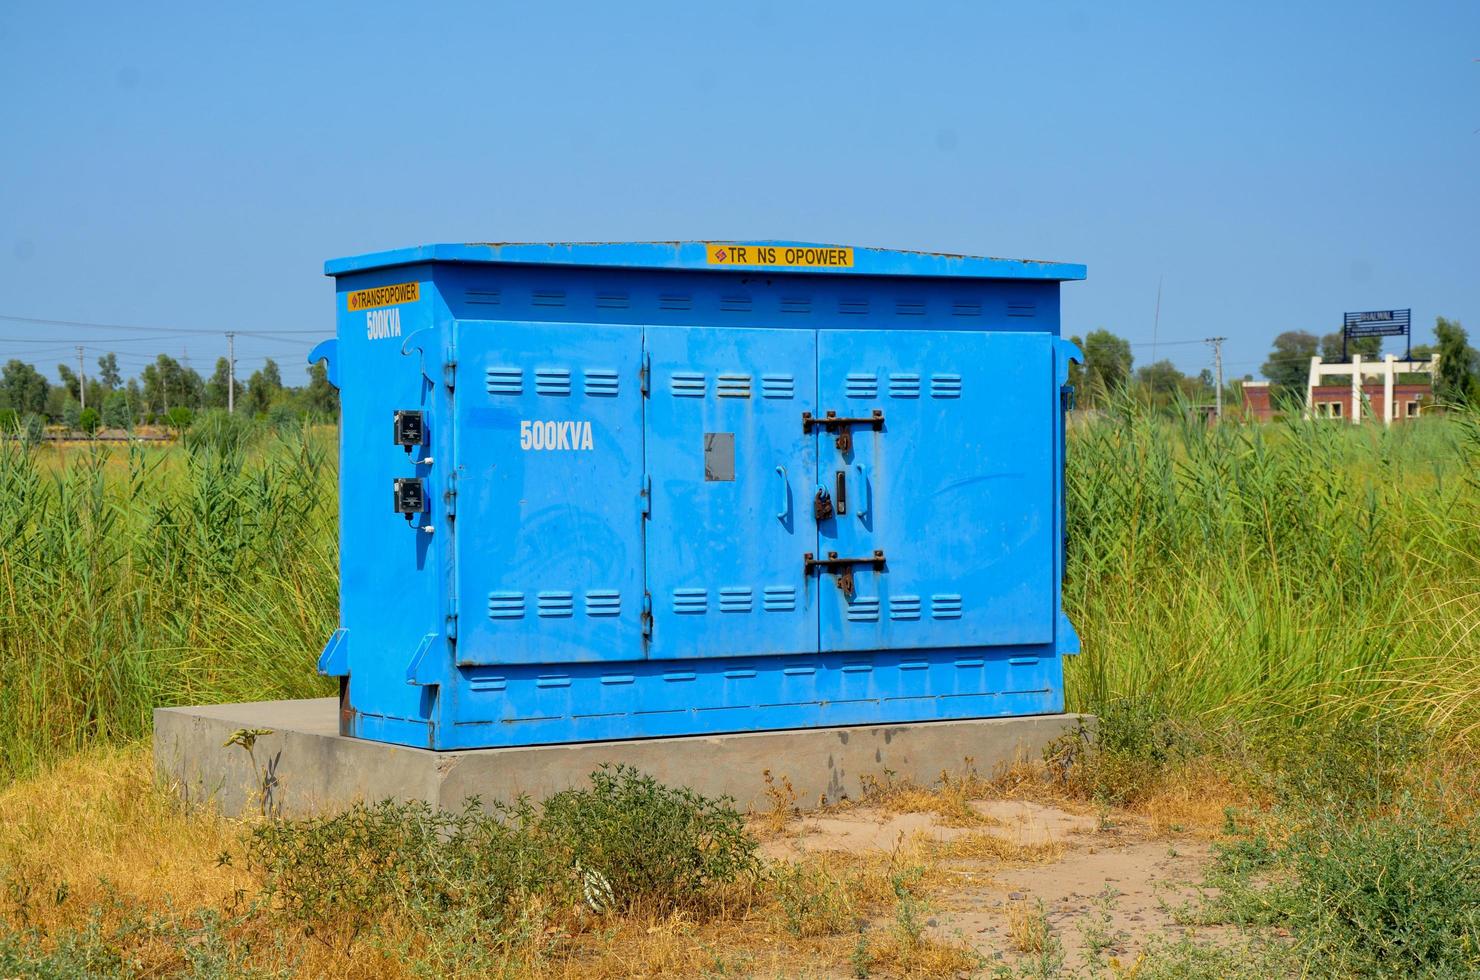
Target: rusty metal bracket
842,567
842,426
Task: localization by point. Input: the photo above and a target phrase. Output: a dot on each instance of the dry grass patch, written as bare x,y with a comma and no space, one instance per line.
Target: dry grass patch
94,830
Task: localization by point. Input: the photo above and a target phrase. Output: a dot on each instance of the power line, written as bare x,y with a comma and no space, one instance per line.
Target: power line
88,325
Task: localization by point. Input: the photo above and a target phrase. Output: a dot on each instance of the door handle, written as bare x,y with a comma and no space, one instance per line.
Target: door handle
865,493
840,502
784,511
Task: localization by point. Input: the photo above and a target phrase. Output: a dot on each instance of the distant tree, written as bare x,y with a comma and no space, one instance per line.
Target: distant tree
116,414
72,413
169,384
1459,366
69,380
138,411
56,403
1368,347
1107,364
1288,367
1160,381
89,420
220,381
108,371
321,398
23,389
264,387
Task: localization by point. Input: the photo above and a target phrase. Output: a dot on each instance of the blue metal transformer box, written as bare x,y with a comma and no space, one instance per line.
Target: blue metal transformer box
608,491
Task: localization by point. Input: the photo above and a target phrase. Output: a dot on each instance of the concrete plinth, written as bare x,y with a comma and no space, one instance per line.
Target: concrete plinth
302,765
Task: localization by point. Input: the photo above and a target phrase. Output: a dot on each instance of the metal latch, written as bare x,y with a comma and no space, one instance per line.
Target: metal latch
843,567
842,426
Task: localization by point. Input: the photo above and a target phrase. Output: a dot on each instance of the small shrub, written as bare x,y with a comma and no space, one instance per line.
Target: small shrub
810,901
1396,896
179,418
338,875
657,845
222,431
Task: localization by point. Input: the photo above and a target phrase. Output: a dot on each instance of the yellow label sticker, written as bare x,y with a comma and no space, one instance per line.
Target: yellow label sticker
369,299
788,256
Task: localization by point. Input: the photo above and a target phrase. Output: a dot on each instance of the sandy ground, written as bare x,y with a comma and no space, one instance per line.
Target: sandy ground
1104,890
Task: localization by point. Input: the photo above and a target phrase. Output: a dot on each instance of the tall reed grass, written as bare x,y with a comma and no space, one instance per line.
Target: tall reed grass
142,577
1277,576
1287,575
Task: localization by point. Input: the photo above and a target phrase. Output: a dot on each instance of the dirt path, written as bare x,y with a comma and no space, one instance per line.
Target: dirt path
1060,883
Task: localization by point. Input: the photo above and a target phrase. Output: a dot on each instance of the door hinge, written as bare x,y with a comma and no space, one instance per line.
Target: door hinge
451,619
647,614
647,495
449,374
645,372
450,497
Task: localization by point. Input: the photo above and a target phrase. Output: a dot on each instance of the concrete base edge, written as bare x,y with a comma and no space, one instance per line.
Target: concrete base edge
301,765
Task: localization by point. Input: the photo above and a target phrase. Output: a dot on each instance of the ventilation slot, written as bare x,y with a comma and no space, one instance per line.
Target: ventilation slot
688,602
735,304
777,386
732,386
686,384
863,609
674,302
552,381
909,307
859,385
945,386
603,602
853,307
482,297
904,607
966,309
945,605
506,605
504,380
800,304
904,385
611,301
779,598
1022,309
601,382
735,599
556,604
548,297
487,683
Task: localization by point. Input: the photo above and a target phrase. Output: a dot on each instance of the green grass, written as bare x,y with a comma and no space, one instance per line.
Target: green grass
142,577
1283,578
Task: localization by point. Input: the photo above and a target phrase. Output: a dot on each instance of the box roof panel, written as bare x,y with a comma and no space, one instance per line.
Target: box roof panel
702,256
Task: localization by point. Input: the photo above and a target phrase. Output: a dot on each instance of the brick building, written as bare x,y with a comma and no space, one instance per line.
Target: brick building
1387,400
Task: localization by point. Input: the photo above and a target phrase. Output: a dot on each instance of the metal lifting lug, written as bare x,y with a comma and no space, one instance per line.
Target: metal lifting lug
842,426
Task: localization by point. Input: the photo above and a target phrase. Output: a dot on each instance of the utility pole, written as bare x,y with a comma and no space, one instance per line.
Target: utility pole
81,380
230,373
1217,343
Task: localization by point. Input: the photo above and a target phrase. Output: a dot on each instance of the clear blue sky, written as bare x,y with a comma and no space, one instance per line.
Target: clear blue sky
192,165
